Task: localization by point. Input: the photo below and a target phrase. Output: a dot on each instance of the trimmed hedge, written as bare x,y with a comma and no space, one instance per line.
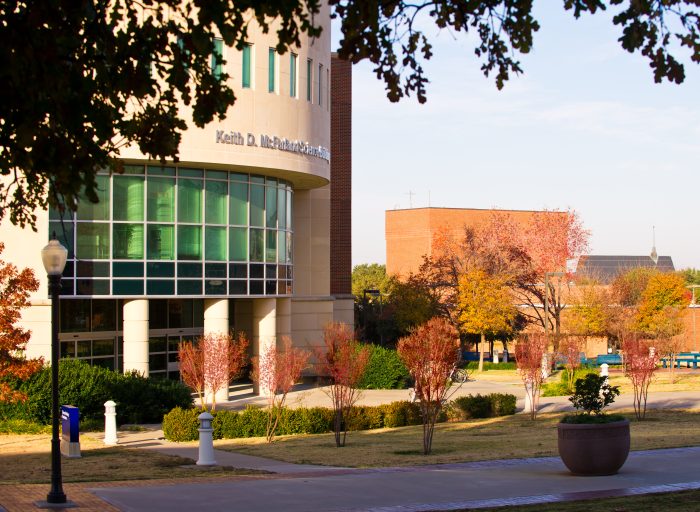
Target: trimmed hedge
482,406
181,425
139,399
385,370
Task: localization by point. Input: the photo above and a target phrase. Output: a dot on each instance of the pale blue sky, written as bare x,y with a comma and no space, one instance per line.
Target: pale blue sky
585,127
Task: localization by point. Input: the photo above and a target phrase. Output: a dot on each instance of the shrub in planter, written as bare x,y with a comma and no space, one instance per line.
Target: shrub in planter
181,425
592,442
384,370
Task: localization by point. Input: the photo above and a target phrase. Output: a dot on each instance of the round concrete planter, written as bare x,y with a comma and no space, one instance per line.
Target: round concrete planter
594,449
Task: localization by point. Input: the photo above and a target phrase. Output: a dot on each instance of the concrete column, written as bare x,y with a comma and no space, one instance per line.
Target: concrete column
264,329
135,314
216,322
284,318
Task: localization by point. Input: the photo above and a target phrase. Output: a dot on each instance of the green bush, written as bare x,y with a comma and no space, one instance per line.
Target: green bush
503,404
23,427
139,399
384,370
488,365
182,424
482,406
401,414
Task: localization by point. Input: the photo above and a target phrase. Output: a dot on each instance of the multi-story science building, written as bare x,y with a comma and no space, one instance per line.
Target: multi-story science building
250,230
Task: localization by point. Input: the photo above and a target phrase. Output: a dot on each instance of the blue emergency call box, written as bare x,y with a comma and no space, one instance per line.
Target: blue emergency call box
70,431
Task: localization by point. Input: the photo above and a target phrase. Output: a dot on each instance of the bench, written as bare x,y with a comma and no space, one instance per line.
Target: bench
609,359
683,357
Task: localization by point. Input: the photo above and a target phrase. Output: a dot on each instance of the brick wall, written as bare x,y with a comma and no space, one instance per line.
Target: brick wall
341,176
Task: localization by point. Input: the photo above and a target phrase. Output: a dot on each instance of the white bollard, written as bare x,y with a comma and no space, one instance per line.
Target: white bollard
604,370
206,440
111,423
495,356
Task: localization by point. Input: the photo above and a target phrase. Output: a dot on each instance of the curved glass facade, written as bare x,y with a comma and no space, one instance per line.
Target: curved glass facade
177,231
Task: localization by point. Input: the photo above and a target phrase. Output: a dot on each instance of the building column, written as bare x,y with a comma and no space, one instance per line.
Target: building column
135,314
264,330
284,318
216,322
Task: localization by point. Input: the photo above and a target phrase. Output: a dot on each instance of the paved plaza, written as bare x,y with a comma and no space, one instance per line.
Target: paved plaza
307,488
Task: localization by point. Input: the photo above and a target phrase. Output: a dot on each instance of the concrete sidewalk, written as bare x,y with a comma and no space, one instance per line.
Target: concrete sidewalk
422,488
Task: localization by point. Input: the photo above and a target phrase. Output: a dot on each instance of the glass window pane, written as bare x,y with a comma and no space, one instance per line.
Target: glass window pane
271,70
271,207
128,241
257,205
161,242
104,315
161,171
246,66
84,348
256,244
103,347
289,247
215,202
215,243
309,73
189,243
282,246
320,83
293,75
96,211
180,313
93,241
158,314
64,234
75,315
128,198
189,200
281,208
239,204
289,210
238,250
161,199
271,245
217,58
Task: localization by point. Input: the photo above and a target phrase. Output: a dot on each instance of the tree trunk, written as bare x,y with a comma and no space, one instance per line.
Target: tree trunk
481,353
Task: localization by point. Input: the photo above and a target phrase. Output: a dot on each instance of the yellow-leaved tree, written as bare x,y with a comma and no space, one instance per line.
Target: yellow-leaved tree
486,305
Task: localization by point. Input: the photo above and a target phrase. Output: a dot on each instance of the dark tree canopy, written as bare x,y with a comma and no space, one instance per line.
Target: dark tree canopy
80,79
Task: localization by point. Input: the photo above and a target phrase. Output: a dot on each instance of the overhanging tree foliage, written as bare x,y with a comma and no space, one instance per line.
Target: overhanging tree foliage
81,80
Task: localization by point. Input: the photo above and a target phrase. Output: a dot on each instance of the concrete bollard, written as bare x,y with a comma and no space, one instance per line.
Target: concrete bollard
495,356
206,440
111,423
604,370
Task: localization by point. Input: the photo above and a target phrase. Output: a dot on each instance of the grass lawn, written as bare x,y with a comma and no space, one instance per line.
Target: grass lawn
27,459
495,438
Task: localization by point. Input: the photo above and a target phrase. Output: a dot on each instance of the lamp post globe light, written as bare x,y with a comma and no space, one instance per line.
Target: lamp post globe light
54,257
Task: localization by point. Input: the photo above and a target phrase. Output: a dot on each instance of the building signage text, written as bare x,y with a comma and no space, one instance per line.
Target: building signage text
273,142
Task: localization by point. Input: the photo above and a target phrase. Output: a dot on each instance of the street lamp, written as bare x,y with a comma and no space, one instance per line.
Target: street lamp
54,258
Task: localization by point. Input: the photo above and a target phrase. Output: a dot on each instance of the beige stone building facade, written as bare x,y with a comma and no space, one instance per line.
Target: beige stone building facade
236,235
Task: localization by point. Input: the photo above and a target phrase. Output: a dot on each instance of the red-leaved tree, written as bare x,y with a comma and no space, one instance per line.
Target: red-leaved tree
276,373
343,360
15,287
209,364
430,353
640,365
191,359
528,353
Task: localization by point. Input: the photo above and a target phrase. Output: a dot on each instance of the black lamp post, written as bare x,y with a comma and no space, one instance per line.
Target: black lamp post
54,256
